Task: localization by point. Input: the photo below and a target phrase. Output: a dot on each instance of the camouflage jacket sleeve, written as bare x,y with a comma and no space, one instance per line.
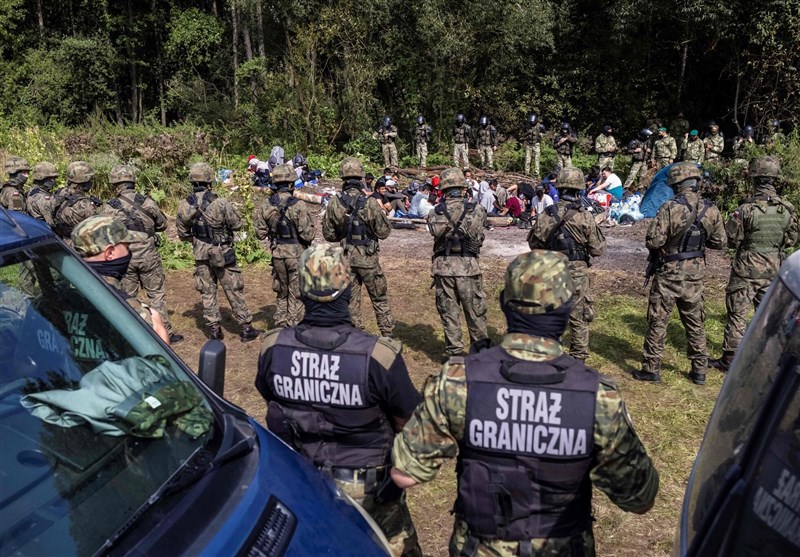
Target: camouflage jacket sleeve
261,221
595,239
734,228
672,147
622,469
599,144
330,230
376,220
540,231
658,232
304,223
717,238
183,220
792,234
232,218
154,212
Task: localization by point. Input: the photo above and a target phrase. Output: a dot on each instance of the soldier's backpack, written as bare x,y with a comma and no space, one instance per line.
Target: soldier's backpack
560,238
457,241
61,223
136,218
285,231
692,240
353,228
200,227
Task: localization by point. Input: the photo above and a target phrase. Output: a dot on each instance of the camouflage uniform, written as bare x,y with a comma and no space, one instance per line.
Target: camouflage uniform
487,143
678,128
461,136
620,466
533,146
140,213
72,204
422,135
564,144
695,150
665,151
638,159
285,251
365,265
388,136
40,202
589,241
11,195
714,145
606,148
457,276
680,281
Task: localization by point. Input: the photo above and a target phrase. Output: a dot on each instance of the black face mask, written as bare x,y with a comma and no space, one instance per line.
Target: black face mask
546,325
86,186
328,314
18,180
47,184
116,268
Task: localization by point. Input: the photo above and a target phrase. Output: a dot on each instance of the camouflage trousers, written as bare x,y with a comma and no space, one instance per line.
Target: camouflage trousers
377,289
487,157
230,277
389,151
603,162
536,151
582,310
564,160
662,163
27,279
740,295
461,155
422,154
665,294
636,167
148,272
540,547
392,517
453,294
286,285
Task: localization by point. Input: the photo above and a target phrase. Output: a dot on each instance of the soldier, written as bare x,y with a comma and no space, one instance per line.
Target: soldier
462,133
103,243
678,237
714,143
741,142
140,213
639,150
487,142
40,199
285,221
665,151
457,229
11,194
569,228
347,433
564,144
679,128
776,136
358,222
422,135
606,148
388,135
533,144
695,149
760,230
208,222
528,495
72,204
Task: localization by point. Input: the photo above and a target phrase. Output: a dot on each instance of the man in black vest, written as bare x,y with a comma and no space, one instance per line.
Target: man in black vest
338,395
533,428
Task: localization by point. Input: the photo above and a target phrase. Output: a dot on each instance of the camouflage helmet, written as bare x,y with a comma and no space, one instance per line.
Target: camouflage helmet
283,173
16,164
201,173
44,170
351,167
324,273
538,282
452,178
95,234
79,172
121,174
764,166
572,178
681,171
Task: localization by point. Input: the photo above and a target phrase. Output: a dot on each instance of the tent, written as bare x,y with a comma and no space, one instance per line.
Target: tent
657,193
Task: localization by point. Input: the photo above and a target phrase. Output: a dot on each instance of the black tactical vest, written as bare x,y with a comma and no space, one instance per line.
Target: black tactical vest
200,227
135,217
561,240
285,231
461,134
358,233
456,242
692,242
319,384
523,467
61,226
635,144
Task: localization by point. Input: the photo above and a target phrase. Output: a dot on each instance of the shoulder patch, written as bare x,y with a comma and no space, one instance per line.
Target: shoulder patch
386,351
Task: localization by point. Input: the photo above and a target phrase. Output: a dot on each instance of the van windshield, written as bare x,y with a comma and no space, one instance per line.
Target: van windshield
95,414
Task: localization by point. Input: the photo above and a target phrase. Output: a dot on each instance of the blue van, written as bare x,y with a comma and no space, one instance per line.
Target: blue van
110,445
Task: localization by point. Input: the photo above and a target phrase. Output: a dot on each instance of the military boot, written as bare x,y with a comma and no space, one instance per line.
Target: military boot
723,362
215,331
249,333
175,338
646,376
697,378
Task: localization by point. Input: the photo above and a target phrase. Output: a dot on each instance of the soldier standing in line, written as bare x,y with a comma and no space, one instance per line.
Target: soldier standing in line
564,143
487,142
358,222
569,228
12,195
285,221
606,148
695,149
665,151
714,143
208,222
760,230
141,213
533,144
534,499
72,204
40,200
388,136
678,236
462,133
457,225
678,128
639,150
741,142
422,135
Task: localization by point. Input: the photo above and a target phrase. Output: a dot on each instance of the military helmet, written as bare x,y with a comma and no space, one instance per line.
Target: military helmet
775,123
607,130
121,174
681,171
538,282
533,118
351,167
420,119
387,121
632,144
283,173
201,172
44,170
764,166
748,131
645,133
452,178
566,126
484,121
324,272
459,119
572,178
79,172
16,164
95,234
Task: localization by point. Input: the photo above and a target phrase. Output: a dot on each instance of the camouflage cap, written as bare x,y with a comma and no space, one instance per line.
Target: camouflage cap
44,170
283,173
16,164
324,273
538,282
79,172
121,174
571,177
201,173
452,178
351,167
95,234
764,166
681,171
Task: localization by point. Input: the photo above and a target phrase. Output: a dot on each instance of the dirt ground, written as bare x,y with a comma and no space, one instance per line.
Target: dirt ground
406,260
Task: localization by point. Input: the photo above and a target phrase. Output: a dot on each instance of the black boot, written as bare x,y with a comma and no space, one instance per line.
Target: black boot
215,331
175,338
249,333
646,376
723,362
697,378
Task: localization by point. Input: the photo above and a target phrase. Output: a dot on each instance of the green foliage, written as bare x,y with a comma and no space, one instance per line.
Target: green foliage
193,39
175,255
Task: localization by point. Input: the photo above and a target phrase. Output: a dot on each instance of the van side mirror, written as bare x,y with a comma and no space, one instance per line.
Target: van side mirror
211,368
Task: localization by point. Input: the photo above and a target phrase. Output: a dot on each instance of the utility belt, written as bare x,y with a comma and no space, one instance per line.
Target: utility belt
371,477
684,255
224,242
608,154
522,548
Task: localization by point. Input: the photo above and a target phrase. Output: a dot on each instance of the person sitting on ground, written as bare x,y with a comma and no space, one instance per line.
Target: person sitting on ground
513,206
485,196
368,184
387,175
473,189
593,177
261,172
549,183
541,202
380,195
422,203
397,200
500,198
609,183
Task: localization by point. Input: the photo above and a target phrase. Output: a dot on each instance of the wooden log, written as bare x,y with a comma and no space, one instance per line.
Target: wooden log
309,197
494,221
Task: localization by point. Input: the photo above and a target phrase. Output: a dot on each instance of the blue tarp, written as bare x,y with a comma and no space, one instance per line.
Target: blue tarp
657,193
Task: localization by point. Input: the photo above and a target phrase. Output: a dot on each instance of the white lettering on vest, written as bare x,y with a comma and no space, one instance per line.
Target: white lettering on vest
317,366
779,508
315,378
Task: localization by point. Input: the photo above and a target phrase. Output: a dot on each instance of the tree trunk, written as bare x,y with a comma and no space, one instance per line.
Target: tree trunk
684,56
40,18
262,52
214,8
135,102
235,37
248,46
